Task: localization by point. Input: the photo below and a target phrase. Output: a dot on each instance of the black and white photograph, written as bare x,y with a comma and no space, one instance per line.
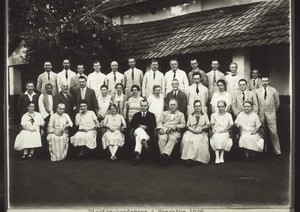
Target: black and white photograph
149,105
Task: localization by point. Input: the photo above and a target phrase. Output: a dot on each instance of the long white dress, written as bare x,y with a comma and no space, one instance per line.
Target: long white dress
113,138
196,146
218,96
85,121
156,105
58,141
221,141
249,123
26,139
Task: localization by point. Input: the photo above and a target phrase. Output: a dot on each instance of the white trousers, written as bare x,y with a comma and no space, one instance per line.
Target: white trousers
140,134
166,142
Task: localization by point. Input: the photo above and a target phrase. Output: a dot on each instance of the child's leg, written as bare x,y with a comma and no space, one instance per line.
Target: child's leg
222,156
25,151
111,150
217,156
31,151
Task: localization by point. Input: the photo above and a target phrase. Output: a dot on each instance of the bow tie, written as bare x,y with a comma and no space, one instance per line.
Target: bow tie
233,75
172,112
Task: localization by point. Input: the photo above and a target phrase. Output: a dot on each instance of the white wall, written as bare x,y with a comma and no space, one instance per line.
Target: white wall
15,81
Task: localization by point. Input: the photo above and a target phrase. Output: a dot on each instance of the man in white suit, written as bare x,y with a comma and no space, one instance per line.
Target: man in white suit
232,78
255,82
153,77
65,76
113,78
132,76
213,76
268,104
178,74
96,79
197,91
48,77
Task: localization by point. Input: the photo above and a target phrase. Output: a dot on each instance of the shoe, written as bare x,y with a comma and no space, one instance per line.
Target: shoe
115,159
23,157
221,160
278,157
136,162
30,156
165,159
217,160
111,159
189,163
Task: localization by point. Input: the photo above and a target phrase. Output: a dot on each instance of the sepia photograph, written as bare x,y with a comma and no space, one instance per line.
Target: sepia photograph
149,105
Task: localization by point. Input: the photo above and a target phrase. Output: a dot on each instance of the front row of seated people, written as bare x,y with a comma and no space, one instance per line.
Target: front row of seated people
171,124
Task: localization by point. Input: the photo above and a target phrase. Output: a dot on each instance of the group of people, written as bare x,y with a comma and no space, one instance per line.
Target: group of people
81,110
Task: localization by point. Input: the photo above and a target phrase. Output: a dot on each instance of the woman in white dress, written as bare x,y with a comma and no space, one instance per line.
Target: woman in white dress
113,138
58,136
221,123
156,102
133,103
30,137
221,94
86,135
248,122
119,99
195,144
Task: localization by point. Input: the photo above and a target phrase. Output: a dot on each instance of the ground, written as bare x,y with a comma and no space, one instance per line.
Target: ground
95,182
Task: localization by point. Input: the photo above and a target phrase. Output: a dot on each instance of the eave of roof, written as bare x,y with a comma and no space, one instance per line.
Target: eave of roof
247,25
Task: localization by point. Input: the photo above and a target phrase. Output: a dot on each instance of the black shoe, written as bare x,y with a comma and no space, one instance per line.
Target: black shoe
165,159
278,157
136,162
189,163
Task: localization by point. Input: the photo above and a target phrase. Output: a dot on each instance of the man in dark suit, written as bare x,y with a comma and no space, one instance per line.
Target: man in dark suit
66,99
143,123
74,83
87,94
28,96
177,94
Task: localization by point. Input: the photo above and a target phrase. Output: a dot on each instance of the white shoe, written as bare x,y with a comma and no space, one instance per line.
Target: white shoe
217,160
221,160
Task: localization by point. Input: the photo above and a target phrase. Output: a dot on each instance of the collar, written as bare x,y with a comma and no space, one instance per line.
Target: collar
80,75
33,93
233,75
172,112
83,88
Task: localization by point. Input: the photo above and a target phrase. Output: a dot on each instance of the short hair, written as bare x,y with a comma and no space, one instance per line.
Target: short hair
96,61
196,101
155,86
112,105
175,100
83,102
197,73
222,101
131,59
60,104
242,80
233,63
144,100
175,80
194,59
135,86
120,85
80,65
154,61
264,76
249,102
64,84
49,84
173,60
28,82
221,81
82,77
103,86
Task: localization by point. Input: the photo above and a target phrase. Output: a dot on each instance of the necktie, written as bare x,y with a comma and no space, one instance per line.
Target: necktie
115,77
82,93
153,75
265,95
119,111
253,82
49,76
174,75
243,98
143,114
214,79
132,74
174,94
66,74
197,89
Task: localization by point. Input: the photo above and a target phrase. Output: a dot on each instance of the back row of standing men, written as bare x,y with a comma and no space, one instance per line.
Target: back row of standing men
189,88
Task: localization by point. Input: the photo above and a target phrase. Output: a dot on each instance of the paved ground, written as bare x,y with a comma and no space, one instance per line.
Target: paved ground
97,182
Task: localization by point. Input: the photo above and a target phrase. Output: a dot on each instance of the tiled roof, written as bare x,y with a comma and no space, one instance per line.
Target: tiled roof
113,4
255,24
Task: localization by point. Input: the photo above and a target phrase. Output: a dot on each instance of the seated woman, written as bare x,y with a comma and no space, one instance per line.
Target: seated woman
58,135
133,103
156,102
195,145
113,137
30,136
248,122
221,123
88,123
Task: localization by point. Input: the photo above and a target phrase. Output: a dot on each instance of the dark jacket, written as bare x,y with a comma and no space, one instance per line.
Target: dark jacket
181,99
149,120
90,98
68,101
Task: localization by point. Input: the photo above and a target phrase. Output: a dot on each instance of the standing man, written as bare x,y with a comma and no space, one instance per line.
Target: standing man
151,78
178,74
65,75
48,77
232,78
143,124
86,94
96,79
75,80
242,95
132,76
170,124
178,95
268,104
28,96
195,69
197,92
113,78
213,76
64,97
255,82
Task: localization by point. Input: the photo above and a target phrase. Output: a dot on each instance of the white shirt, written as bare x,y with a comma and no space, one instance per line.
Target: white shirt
61,78
111,83
149,81
232,82
82,92
30,96
128,81
192,95
103,103
156,105
95,80
42,106
180,76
